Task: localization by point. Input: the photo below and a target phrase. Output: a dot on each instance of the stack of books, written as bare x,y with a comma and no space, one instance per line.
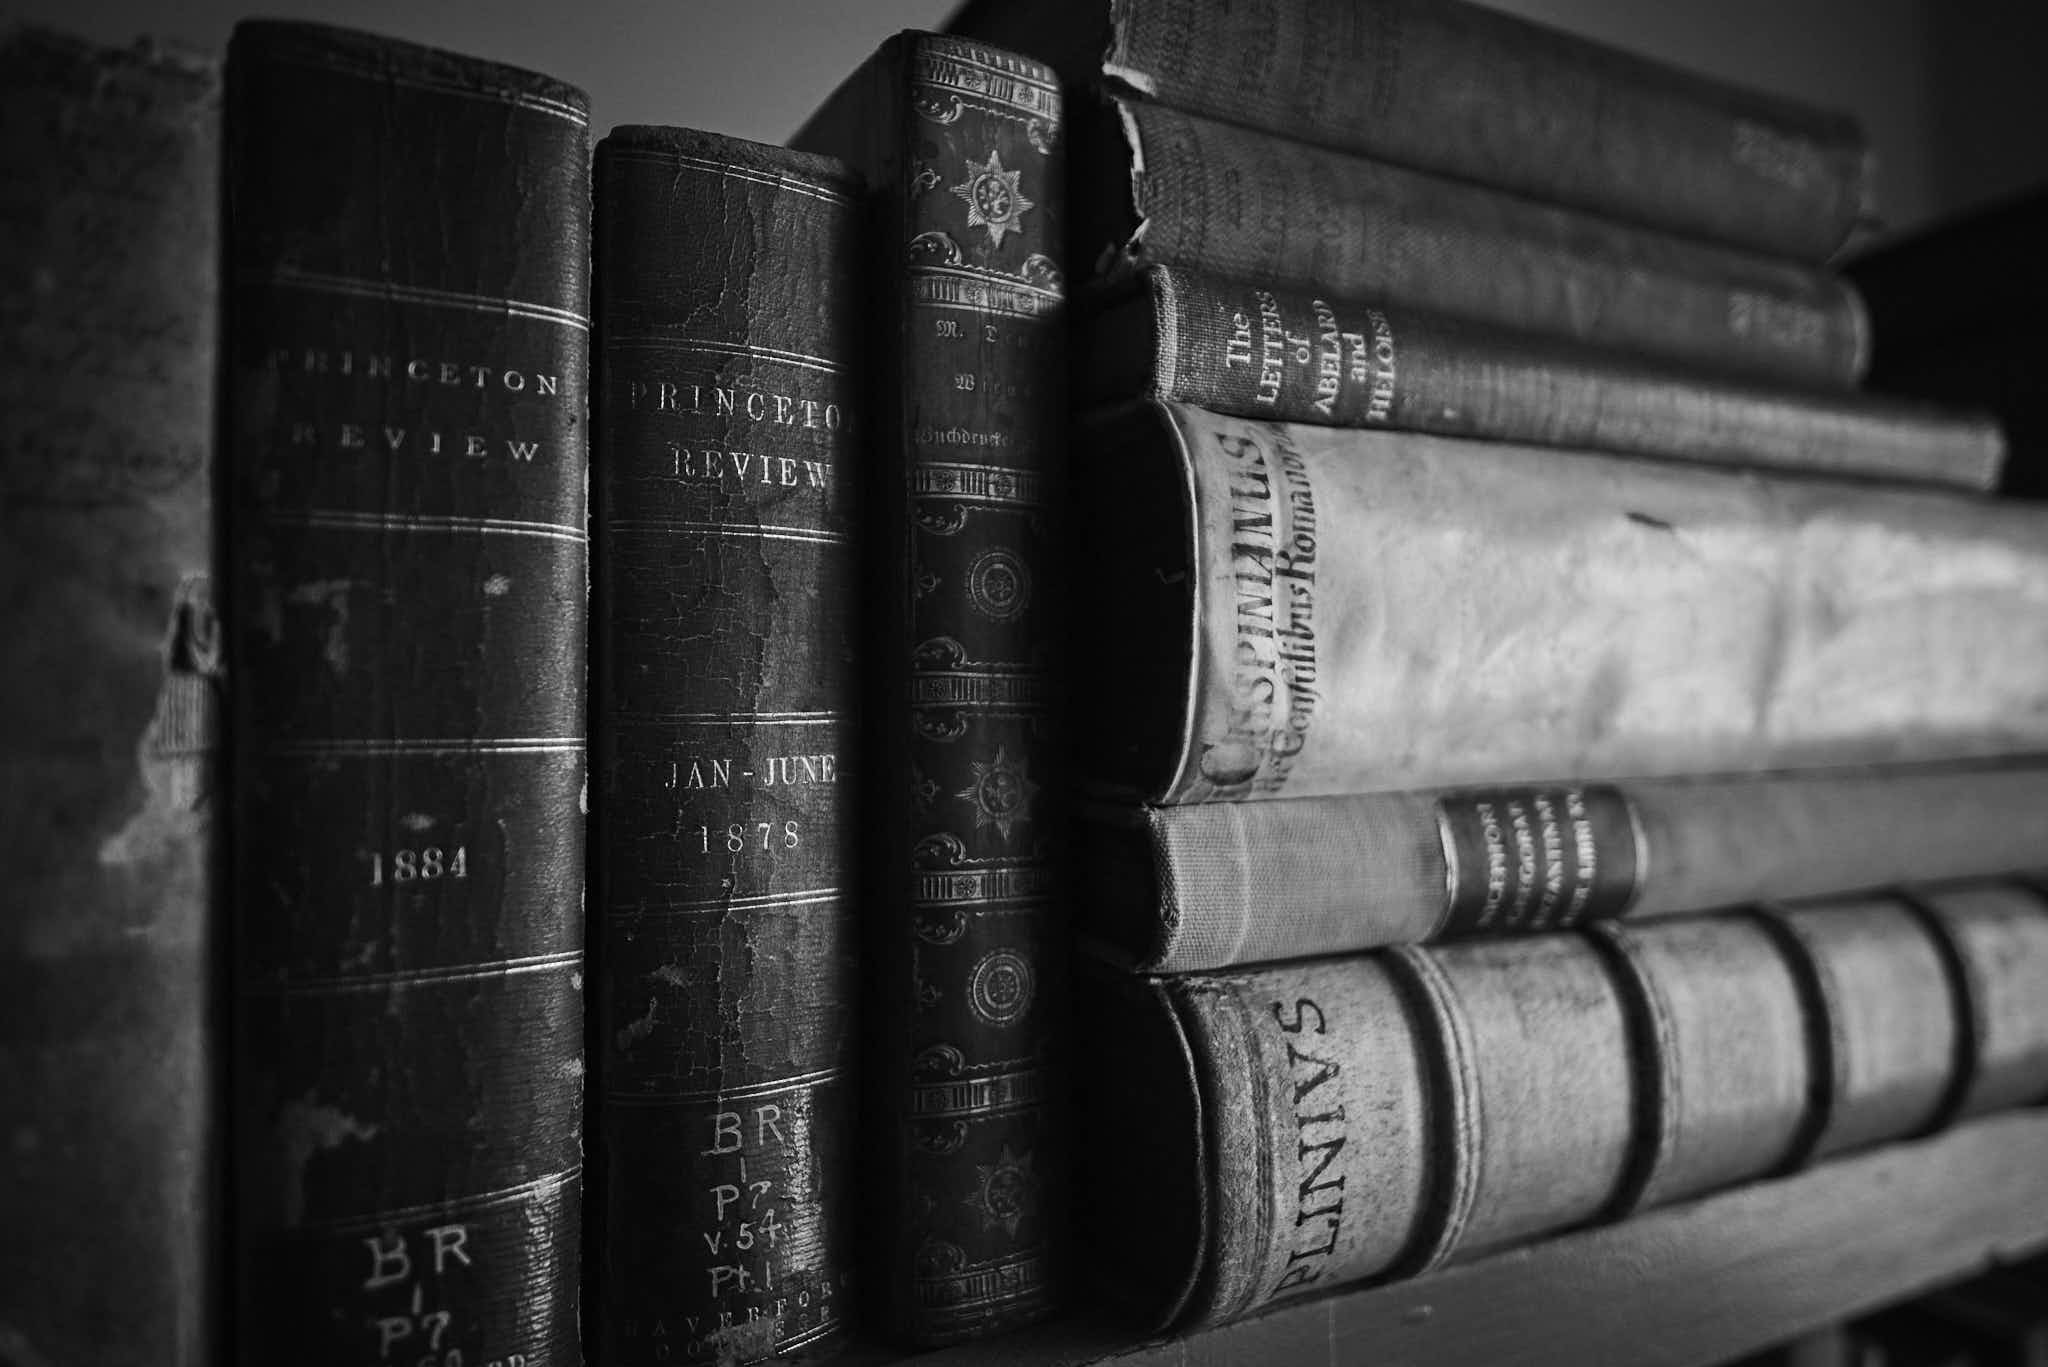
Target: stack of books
1487,551
571,707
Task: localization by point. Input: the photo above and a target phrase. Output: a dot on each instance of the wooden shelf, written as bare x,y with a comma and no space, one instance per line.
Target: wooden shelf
1694,1284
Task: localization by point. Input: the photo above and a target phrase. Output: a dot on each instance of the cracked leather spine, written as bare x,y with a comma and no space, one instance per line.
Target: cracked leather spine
109,1071
728,463
962,144
408,333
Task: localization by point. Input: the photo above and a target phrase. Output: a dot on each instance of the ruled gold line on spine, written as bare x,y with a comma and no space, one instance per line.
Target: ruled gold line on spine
727,170
962,53
733,529
976,1096
390,291
384,75
976,275
693,905
332,520
453,745
730,718
382,1219
967,1295
769,1087
830,1325
418,977
767,353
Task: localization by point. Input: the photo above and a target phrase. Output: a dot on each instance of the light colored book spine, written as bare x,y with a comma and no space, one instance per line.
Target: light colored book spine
1240,882
1379,1115
1369,611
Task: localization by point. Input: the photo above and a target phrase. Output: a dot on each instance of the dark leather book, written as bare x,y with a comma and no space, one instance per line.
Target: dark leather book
1154,185
1297,611
961,144
1325,1121
1300,355
109,796
729,458
1211,884
408,331
1468,91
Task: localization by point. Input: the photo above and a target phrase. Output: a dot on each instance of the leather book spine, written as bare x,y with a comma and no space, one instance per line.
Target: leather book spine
1992,934
407,449
1375,611
1258,206
727,449
965,156
1242,882
1380,1115
110,1048
1884,1017
1468,91
1296,355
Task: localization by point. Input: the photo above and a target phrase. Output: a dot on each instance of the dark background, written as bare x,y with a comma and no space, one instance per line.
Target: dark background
1954,92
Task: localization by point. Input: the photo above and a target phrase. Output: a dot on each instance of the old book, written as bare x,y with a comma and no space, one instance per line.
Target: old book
109,797
1299,355
728,458
1325,1121
409,244
1313,611
1156,185
961,144
1468,91
1207,885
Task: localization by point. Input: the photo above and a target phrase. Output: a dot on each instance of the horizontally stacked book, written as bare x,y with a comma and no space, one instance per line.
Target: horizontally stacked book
1485,540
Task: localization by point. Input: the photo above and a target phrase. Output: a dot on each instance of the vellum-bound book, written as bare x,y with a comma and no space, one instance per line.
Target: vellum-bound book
1294,611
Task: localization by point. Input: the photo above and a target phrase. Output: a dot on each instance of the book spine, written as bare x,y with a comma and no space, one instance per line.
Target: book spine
408,242
970,1001
1470,92
1243,882
1376,611
727,423
1295,355
1379,1115
109,790
1248,204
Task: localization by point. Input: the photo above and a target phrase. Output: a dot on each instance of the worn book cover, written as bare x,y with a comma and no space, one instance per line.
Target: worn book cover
408,318
1210,884
111,814
1323,1121
962,144
728,454
1466,90
1299,354
1304,610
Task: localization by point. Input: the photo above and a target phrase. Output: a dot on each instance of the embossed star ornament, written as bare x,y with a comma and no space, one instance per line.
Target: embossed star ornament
1009,1190
1001,793
994,200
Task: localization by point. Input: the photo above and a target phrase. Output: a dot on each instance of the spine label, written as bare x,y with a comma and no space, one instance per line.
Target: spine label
1532,859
